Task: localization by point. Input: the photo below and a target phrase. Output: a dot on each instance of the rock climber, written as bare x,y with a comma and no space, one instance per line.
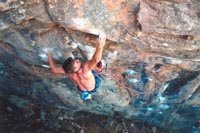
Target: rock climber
84,74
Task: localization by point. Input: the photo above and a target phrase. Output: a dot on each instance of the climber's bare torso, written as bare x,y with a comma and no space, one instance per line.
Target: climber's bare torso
85,80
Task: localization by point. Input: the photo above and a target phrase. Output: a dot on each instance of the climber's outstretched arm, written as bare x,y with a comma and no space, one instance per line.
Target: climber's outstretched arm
54,69
91,64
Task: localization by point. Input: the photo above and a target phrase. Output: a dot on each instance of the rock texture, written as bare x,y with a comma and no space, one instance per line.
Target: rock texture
152,58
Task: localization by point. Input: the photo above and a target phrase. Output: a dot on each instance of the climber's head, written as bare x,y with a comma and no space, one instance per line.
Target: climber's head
71,65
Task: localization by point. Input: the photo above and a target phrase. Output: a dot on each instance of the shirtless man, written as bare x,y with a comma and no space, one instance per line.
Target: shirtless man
82,73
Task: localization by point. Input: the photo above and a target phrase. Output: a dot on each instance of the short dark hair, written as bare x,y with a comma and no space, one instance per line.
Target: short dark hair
68,65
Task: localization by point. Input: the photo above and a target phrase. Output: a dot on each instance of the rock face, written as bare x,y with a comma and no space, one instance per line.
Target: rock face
152,58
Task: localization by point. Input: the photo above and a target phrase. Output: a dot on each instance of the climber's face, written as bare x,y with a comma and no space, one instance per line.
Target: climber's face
76,65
